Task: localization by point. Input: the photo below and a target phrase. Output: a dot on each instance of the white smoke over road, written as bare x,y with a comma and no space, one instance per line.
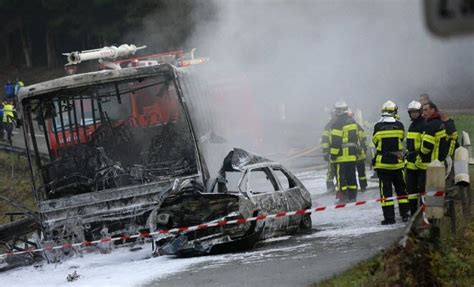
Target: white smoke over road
302,56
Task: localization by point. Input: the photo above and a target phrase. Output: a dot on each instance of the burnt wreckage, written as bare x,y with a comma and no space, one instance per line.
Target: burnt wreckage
126,154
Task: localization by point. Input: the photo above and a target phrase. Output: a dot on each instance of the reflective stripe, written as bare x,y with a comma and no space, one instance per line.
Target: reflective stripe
388,134
352,186
452,146
336,132
453,137
387,202
413,196
411,165
391,166
438,137
416,137
421,165
335,151
403,200
350,127
426,138
362,177
347,158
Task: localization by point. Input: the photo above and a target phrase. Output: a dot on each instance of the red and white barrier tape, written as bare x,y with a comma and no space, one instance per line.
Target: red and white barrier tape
220,223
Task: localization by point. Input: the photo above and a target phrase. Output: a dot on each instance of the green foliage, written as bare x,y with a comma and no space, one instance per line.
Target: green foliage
464,122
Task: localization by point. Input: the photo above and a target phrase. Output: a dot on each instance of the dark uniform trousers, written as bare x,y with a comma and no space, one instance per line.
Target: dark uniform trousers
386,178
346,180
416,180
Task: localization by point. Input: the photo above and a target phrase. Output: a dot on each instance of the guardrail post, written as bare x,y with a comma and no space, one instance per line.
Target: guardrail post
469,199
466,143
464,201
452,214
435,174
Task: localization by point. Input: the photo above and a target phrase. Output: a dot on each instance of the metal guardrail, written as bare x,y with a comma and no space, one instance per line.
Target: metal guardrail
454,194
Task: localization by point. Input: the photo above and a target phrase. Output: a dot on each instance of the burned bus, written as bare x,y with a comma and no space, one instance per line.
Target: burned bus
126,146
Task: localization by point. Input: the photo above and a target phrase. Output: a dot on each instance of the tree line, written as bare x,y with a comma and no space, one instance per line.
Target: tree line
36,32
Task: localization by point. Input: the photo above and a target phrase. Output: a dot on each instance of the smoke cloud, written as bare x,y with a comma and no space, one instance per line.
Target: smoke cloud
299,57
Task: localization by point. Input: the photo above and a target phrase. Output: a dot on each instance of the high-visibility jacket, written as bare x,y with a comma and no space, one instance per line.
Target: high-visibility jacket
344,140
18,86
362,143
326,137
415,131
388,140
8,113
434,144
452,136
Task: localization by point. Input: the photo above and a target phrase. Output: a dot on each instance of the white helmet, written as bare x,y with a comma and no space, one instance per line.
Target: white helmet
414,106
389,108
340,107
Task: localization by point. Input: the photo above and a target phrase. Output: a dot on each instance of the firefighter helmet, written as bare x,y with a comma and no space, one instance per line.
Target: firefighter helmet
414,106
389,108
340,107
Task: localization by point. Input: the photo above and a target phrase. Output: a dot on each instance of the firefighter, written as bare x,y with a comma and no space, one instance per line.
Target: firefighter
343,150
451,132
325,141
434,144
415,178
389,162
361,155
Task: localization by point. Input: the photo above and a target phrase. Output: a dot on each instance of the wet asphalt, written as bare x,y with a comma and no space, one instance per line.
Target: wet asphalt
338,240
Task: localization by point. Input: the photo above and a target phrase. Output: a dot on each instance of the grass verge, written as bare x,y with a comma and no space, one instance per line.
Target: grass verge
15,183
464,122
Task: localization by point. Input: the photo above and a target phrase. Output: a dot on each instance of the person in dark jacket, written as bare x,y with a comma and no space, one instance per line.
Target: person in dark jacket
9,90
343,150
415,178
451,131
434,143
389,162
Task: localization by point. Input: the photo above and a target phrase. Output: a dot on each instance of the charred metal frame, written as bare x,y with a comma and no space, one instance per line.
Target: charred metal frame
59,212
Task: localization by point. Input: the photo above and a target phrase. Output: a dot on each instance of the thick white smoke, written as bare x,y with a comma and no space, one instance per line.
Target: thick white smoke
301,56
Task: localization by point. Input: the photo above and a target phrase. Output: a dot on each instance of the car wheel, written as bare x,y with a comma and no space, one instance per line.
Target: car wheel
306,222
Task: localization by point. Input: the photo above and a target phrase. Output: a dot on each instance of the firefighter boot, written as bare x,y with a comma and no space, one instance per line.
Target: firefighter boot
404,209
388,214
351,195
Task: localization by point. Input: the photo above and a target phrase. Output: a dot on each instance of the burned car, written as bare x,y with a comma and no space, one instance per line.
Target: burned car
118,152
247,186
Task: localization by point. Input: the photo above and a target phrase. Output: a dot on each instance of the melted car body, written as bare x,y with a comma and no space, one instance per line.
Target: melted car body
247,186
